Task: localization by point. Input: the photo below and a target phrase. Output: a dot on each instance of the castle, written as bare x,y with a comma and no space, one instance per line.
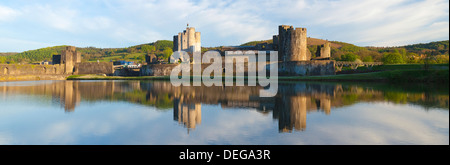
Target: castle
189,41
292,45
294,57
69,57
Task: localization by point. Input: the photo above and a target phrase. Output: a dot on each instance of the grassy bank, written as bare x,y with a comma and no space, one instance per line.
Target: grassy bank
438,75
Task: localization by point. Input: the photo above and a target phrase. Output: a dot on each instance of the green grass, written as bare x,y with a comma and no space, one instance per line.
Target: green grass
128,57
400,67
134,55
396,76
74,76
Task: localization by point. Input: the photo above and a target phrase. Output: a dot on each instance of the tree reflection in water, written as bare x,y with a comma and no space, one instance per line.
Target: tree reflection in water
290,106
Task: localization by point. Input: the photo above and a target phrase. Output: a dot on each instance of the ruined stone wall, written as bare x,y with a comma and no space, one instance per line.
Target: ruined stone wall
15,69
275,42
307,68
67,58
77,57
166,69
283,40
126,72
15,72
151,59
70,57
323,51
290,68
94,68
175,43
157,69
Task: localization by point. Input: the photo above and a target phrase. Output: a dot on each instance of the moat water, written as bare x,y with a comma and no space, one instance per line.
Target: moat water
155,112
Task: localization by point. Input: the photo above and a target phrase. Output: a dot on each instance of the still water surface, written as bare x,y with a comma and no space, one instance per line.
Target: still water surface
155,112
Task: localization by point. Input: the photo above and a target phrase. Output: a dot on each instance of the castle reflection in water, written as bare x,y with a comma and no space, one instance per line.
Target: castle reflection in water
290,106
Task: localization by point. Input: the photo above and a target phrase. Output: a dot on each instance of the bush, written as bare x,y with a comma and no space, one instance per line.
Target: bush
368,59
349,57
147,48
392,58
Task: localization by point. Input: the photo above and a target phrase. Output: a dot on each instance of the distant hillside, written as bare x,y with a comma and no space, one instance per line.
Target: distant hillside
8,54
254,43
434,48
315,42
437,52
133,53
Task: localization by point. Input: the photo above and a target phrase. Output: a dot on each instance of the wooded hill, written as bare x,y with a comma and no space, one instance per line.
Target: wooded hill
434,52
162,49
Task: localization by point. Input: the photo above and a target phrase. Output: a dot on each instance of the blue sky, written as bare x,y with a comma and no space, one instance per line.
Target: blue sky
27,25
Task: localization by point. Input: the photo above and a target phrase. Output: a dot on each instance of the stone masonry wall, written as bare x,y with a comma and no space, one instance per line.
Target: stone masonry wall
188,41
323,51
15,72
292,44
94,68
157,69
15,69
290,68
307,68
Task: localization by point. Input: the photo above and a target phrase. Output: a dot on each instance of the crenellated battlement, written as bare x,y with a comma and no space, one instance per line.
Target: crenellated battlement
292,44
189,41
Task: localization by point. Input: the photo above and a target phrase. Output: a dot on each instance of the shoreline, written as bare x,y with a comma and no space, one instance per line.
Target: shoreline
420,76
392,76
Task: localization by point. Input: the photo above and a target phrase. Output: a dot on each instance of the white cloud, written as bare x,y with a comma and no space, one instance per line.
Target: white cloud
59,18
7,13
121,23
382,23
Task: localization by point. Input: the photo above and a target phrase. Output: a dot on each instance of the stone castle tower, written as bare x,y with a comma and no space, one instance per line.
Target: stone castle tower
188,40
323,51
291,44
69,57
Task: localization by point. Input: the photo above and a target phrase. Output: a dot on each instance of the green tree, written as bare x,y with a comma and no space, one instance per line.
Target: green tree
2,60
392,58
141,59
132,50
411,58
349,57
148,48
442,59
163,44
368,59
167,52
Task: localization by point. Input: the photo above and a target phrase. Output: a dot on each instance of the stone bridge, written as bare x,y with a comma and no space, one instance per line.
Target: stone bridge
355,65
